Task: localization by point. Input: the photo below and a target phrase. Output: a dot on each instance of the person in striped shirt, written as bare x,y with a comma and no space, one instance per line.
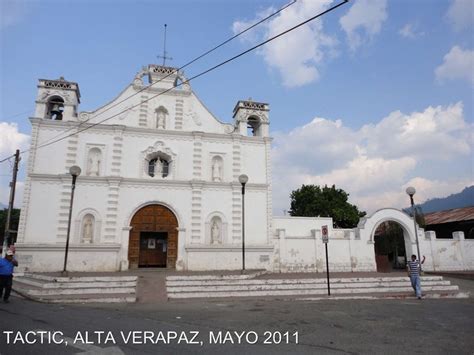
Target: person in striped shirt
413,268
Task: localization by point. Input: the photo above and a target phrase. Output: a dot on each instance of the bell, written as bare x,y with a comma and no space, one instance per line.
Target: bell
56,112
56,109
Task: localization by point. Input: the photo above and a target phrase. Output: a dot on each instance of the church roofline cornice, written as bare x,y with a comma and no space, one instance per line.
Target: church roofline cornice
126,181
159,134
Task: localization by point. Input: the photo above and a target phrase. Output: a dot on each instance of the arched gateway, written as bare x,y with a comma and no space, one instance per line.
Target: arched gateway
153,238
369,226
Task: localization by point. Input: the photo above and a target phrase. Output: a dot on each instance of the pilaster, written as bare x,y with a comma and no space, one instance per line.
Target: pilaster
27,187
268,169
236,190
110,231
196,212
117,146
178,121
143,113
197,156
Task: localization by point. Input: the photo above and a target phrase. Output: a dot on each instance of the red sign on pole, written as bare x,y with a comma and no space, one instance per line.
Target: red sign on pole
324,232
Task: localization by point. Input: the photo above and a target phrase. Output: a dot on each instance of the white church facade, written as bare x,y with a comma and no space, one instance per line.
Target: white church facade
160,187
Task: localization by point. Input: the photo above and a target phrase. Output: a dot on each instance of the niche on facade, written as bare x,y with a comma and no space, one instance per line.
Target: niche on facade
217,168
94,162
87,235
87,227
158,161
216,229
161,115
55,108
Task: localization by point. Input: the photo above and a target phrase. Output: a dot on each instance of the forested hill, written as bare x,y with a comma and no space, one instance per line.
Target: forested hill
464,198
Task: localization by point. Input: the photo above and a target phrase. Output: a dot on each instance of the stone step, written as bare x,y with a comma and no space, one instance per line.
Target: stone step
215,277
358,281
305,286
74,284
39,291
84,279
300,292
91,298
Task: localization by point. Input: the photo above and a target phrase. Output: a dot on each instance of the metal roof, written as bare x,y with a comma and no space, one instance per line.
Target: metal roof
448,216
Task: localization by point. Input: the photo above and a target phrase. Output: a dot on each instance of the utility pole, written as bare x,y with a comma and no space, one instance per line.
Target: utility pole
10,204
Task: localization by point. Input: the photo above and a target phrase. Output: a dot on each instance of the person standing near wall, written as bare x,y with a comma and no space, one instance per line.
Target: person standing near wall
413,268
6,274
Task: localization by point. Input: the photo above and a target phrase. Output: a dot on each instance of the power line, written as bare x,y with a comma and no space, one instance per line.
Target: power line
174,71
17,114
198,75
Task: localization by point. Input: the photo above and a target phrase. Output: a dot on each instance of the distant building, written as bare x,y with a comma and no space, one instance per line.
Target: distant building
445,223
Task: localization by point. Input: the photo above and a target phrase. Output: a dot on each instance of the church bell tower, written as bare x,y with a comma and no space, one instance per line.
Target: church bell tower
57,100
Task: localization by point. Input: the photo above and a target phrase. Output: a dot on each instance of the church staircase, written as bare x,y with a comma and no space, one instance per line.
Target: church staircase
76,289
225,286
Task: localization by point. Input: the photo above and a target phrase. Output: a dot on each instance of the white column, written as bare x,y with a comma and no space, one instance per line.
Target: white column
123,254
182,259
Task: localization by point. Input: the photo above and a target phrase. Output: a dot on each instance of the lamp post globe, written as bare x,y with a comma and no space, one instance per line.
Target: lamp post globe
410,191
75,170
243,179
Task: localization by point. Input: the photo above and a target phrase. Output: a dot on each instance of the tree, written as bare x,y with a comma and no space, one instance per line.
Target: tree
420,216
15,218
314,201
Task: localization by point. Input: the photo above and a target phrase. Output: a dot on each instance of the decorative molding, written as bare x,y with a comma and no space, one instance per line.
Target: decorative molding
37,247
229,247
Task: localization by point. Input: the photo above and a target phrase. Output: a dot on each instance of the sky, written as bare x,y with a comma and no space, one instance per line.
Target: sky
373,97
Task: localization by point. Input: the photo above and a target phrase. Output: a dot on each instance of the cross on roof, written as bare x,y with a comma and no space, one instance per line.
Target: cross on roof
164,56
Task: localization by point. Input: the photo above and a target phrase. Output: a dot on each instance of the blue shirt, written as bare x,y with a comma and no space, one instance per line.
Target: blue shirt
6,267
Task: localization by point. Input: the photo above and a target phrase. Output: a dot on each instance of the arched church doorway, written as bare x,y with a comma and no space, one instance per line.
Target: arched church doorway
153,238
389,244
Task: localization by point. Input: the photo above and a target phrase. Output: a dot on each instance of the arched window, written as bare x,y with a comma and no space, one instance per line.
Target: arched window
253,127
158,167
55,108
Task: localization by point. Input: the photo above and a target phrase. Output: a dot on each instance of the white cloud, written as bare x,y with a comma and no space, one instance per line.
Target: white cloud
363,21
410,31
10,140
376,162
461,14
298,55
437,132
457,64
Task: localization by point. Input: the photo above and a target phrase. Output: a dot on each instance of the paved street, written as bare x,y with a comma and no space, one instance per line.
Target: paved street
325,327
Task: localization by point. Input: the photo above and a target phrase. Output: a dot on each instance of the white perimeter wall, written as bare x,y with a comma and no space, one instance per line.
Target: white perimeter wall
299,247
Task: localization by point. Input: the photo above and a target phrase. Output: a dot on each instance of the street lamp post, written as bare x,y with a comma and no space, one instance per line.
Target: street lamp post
411,192
75,171
243,180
